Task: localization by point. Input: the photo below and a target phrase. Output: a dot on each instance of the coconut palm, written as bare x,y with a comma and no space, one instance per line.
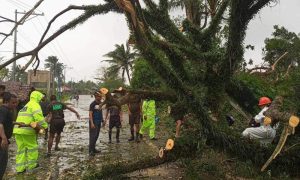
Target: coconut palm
56,67
121,60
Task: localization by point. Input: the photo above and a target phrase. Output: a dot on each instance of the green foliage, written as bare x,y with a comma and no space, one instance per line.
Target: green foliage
20,75
109,79
282,41
246,89
52,63
3,72
121,61
114,170
82,87
144,76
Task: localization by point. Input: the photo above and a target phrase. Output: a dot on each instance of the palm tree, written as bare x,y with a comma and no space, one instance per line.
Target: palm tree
56,68
121,60
4,73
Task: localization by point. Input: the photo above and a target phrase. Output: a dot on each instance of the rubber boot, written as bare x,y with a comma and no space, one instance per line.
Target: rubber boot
132,135
117,135
137,139
109,135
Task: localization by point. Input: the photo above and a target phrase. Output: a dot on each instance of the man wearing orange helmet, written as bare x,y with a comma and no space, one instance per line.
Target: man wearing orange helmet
264,133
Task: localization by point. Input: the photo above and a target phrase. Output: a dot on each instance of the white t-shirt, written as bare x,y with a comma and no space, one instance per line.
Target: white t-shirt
259,118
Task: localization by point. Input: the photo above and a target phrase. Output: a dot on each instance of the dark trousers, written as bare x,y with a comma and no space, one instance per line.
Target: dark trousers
94,135
3,161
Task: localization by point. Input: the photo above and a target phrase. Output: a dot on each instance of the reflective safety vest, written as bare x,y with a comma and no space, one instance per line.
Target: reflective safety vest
31,112
148,108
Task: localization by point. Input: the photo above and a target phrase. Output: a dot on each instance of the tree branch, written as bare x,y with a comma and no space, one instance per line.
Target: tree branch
163,25
256,7
272,68
25,16
213,27
6,20
89,12
175,58
288,70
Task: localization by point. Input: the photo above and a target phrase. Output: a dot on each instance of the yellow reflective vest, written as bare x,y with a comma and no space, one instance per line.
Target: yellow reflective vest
31,112
148,108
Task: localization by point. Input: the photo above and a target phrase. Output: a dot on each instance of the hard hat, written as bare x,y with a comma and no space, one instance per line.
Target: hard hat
264,101
103,90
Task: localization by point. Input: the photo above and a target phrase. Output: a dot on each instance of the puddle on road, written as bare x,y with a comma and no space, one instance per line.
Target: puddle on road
73,159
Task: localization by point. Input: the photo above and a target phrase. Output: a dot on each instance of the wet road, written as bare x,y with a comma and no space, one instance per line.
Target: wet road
72,160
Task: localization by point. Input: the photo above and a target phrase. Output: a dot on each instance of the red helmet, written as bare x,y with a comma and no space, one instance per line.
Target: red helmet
264,101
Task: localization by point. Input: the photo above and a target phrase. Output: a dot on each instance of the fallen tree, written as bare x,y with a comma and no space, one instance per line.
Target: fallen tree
192,63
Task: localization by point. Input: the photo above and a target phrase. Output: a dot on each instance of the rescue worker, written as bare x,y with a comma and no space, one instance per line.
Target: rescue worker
26,136
95,120
114,111
57,122
134,113
149,112
264,133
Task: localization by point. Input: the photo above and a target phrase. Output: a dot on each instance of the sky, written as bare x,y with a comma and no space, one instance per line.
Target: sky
82,49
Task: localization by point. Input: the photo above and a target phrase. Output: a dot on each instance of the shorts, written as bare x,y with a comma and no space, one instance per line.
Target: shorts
57,126
134,119
114,121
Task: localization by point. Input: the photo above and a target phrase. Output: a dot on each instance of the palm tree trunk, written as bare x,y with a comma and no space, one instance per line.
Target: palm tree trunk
127,72
53,79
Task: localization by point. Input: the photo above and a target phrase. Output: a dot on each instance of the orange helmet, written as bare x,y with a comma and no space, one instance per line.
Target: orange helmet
264,101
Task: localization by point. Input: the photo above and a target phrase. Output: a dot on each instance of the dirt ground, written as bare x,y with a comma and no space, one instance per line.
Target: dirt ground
72,161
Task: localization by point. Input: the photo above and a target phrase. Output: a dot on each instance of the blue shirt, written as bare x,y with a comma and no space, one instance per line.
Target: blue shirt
97,112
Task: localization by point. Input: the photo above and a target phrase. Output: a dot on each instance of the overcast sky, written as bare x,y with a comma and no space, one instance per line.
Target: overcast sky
83,48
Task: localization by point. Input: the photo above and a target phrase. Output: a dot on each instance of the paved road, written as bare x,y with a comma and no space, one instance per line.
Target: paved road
72,160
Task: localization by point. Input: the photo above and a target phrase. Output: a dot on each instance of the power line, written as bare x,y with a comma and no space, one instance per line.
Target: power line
16,5
61,49
53,51
56,43
21,4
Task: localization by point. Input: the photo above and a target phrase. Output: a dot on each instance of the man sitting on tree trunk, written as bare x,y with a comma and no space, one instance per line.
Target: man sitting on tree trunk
264,133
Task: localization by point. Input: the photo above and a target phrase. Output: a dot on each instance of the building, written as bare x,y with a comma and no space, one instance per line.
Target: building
17,88
41,80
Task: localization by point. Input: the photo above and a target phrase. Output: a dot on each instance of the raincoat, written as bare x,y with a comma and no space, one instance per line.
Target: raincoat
26,137
149,112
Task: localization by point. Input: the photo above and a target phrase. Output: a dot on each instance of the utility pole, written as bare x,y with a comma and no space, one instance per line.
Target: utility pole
15,47
15,39
65,71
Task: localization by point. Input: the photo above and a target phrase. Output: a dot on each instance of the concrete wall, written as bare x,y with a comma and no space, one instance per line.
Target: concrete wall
42,79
